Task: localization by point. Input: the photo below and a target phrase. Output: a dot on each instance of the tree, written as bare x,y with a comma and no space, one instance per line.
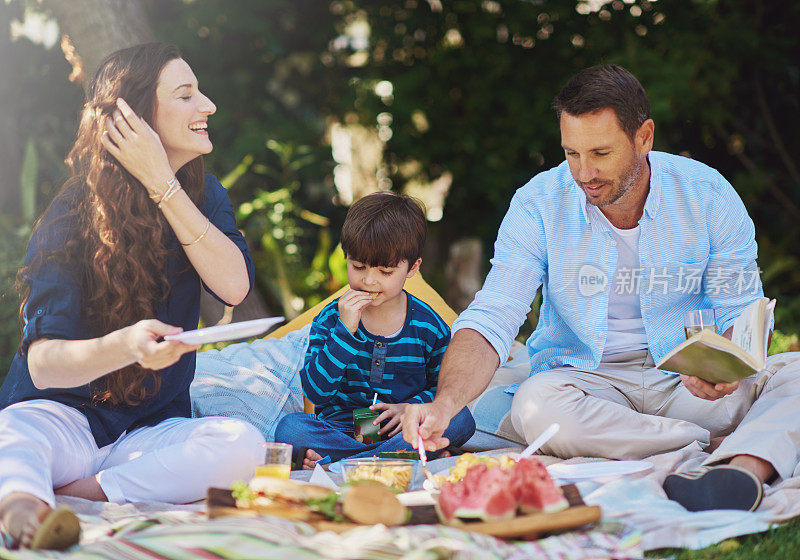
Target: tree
91,30
472,84
10,146
97,28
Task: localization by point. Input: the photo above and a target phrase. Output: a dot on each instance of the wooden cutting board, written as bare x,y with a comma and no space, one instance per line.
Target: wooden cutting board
532,526
220,503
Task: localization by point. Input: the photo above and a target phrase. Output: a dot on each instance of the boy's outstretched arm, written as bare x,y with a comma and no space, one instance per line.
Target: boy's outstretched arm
467,368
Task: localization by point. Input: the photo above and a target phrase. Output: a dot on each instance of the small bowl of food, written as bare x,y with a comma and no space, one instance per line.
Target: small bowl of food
397,474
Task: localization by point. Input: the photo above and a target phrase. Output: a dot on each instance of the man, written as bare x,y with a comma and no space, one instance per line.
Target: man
623,241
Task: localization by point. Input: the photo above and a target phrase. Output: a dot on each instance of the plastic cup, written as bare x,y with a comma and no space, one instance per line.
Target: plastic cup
277,460
698,320
363,428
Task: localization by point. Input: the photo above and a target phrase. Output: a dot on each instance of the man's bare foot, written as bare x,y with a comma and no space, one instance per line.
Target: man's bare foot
21,515
310,460
715,443
87,488
759,467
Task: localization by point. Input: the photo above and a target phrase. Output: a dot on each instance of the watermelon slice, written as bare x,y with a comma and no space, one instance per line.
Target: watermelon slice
483,493
534,488
492,493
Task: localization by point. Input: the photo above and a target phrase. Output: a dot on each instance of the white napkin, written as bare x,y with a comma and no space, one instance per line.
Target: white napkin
321,478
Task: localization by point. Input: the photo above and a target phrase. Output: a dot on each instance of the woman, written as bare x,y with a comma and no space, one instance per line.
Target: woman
96,402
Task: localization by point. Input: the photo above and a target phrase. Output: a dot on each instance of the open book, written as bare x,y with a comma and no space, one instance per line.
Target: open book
716,359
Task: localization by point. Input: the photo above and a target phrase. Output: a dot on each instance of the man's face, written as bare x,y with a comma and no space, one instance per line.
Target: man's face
604,161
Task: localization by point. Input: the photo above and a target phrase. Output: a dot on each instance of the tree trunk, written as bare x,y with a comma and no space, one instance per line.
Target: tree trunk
463,272
97,28
10,143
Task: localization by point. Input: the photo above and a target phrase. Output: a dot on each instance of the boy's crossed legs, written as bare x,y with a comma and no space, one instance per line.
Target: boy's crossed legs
335,438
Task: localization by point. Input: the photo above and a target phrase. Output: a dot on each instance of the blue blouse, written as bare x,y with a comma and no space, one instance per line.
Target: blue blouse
54,310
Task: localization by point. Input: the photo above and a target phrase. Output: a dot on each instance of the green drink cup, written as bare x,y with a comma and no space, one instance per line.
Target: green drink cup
363,428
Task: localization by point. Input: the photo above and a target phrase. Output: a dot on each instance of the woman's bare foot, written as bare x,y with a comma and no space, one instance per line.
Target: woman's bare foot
21,515
87,488
310,460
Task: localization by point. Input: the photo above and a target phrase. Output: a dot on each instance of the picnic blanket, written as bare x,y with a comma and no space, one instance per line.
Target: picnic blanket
250,371
259,382
146,531
636,517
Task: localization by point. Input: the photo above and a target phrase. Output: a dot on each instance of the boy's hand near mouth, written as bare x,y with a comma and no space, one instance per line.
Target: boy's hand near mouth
351,304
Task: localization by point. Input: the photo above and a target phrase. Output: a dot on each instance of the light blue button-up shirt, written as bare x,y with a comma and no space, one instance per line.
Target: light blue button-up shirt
697,250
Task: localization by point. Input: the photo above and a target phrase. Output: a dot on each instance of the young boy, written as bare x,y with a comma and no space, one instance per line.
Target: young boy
376,339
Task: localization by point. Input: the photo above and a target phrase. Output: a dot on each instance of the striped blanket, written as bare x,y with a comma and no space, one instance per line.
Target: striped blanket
183,535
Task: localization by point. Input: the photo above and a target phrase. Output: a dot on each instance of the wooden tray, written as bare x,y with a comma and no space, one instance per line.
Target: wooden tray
220,503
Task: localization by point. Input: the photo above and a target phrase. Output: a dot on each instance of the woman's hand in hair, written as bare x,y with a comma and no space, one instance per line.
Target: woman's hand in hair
138,148
142,339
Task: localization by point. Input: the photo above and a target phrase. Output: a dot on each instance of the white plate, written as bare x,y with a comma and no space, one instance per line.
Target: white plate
597,469
244,329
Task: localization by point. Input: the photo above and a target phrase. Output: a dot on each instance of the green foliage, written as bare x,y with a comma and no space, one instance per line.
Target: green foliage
338,266
279,232
13,241
779,543
471,87
472,83
782,342
30,165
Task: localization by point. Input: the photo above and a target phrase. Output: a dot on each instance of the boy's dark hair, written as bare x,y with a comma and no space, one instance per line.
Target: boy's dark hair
382,229
607,85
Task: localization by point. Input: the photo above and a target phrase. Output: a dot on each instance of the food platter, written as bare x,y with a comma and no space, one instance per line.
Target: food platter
532,526
221,503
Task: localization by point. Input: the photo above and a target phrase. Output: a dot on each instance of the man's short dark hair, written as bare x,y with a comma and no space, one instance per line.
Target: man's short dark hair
382,229
604,86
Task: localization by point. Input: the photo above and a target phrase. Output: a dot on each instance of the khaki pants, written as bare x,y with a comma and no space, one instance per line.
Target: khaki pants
628,409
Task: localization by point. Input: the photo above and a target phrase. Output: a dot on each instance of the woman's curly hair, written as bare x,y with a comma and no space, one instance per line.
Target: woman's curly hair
119,241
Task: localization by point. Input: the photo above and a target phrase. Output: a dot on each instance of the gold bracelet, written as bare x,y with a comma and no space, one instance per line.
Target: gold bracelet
201,236
174,187
160,196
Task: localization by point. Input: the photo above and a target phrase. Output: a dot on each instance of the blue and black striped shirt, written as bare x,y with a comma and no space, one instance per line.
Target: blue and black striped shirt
343,371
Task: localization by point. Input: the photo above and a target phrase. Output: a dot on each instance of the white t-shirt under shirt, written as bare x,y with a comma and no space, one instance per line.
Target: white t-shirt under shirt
625,326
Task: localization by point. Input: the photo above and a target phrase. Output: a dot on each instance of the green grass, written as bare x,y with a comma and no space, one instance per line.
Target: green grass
777,544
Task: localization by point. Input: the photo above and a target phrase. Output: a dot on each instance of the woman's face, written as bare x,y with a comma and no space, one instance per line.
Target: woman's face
181,114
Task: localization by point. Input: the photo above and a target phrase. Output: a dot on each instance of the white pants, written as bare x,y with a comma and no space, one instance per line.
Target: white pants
46,445
628,409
